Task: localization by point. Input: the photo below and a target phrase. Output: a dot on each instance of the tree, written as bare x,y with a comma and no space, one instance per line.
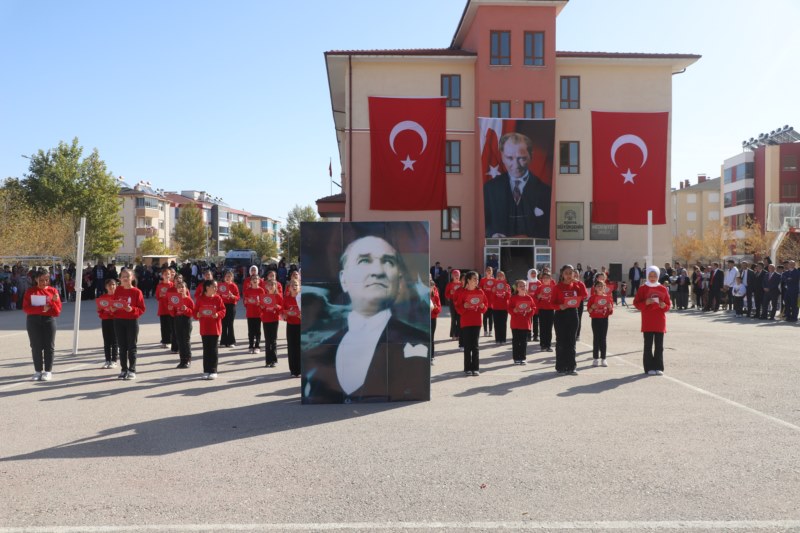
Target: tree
153,246
191,233
266,247
241,237
687,248
61,181
789,249
290,235
23,231
717,241
755,241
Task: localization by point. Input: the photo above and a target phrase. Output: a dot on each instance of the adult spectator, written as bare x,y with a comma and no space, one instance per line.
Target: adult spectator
731,273
747,280
635,277
716,282
791,284
755,288
98,279
771,284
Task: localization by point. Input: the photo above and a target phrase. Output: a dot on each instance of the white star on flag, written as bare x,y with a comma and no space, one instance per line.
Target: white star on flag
628,177
408,164
494,171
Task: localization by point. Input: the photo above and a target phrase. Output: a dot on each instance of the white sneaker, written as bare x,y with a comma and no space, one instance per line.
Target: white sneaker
595,362
112,364
212,375
523,363
476,372
107,364
233,345
130,375
204,376
651,372
47,376
603,362
37,376
257,350
659,373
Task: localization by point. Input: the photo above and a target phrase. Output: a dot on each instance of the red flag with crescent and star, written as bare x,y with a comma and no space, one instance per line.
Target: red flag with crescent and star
407,150
629,160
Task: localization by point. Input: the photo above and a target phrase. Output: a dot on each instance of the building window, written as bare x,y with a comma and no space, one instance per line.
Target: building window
713,197
713,215
788,190
691,216
500,108
570,157
789,163
160,224
691,198
745,196
451,90
500,48
451,223
534,48
570,92
150,203
452,157
728,175
534,109
728,200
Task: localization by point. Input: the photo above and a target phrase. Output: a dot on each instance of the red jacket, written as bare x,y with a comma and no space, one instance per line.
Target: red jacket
532,286
487,286
161,294
451,289
229,292
252,302
604,303
51,296
124,297
500,295
204,310
654,319
180,305
569,293
436,303
521,309
291,311
104,305
271,306
470,305
544,296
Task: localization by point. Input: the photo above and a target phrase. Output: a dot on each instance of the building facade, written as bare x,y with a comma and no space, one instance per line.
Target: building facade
696,207
502,62
261,225
146,212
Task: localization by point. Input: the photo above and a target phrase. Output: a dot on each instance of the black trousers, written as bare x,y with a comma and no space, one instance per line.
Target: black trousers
127,331
433,336
455,322
749,299
228,338
738,304
500,319
758,300
183,334
519,344
488,321
470,336
653,360
682,301
271,342
110,346
635,286
254,332
698,297
790,312
42,336
770,304
210,354
546,328
580,319
566,322
599,332
535,326
168,332
293,348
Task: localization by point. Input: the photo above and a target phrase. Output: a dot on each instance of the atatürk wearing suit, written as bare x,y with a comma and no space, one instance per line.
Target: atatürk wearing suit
399,370
504,216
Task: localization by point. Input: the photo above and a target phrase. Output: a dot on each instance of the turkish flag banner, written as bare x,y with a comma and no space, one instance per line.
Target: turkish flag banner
629,156
407,150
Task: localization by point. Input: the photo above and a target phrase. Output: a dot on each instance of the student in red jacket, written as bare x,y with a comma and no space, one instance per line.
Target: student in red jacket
498,301
450,294
105,308
544,302
569,293
271,305
128,307
210,310
229,292
522,308
291,314
436,308
470,305
167,330
652,299
533,284
487,286
182,310
252,306
600,307
42,305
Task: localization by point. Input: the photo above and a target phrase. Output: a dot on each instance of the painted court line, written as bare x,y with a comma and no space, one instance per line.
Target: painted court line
685,525
18,383
716,397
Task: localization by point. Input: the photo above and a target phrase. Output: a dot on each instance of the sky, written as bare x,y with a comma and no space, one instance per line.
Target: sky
231,97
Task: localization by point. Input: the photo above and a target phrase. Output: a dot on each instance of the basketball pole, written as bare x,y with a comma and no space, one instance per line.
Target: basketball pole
78,286
649,260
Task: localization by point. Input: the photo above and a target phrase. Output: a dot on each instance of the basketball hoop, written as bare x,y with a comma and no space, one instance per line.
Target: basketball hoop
792,229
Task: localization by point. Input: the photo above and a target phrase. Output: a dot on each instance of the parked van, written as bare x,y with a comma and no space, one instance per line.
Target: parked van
235,259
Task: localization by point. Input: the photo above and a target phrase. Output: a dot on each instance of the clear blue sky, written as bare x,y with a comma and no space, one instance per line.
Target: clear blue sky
232,97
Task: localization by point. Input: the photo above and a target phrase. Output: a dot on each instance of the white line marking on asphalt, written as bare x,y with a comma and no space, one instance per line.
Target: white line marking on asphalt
711,525
18,383
717,397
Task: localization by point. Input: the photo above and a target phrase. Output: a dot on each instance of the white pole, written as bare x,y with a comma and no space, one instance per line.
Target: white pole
78,286
649,237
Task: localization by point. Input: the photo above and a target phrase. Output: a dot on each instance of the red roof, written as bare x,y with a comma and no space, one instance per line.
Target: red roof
341,197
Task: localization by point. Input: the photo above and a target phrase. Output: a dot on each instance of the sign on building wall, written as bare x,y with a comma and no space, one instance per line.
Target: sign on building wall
602,232
517,172
569,221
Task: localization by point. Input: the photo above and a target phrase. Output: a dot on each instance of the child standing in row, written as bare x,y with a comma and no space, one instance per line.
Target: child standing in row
210,310
105,310
652,299
522,308
498,301
252,305
229,292
450,293
600,308
544,301
292,315
128,307
569,294
271,304
470,305
182,310
487,286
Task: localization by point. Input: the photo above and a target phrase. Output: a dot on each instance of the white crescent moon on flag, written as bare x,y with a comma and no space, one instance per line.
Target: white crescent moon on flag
628,138
408,125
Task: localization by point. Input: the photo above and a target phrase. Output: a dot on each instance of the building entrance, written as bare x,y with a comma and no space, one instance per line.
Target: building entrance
516,256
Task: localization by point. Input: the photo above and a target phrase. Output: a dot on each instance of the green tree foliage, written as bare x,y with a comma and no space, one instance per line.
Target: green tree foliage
191,234
241,237
153,246
62,181
290,235
266,247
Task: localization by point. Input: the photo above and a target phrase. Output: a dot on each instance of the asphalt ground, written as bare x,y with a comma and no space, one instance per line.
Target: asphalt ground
714,445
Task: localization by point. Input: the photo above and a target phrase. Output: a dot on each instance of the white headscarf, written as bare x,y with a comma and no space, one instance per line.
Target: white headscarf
533,275
647,281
